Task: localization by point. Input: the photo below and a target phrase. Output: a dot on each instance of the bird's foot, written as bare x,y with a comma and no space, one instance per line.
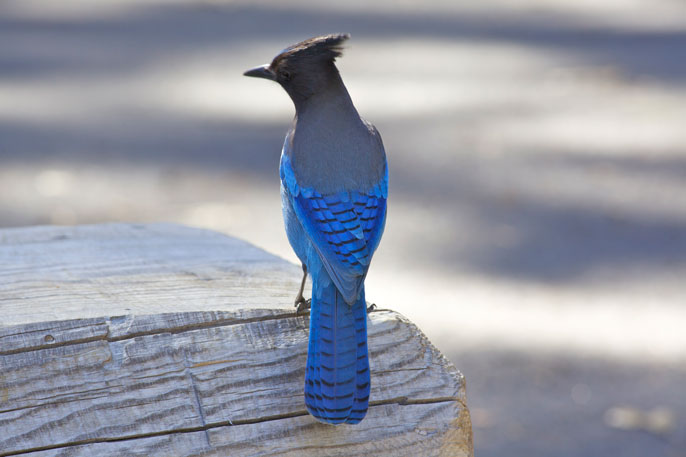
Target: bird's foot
371,308
302,305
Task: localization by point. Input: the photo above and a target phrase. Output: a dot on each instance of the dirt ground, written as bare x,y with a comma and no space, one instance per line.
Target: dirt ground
537,150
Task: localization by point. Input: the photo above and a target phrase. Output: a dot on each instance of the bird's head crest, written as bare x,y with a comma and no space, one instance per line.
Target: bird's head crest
325,47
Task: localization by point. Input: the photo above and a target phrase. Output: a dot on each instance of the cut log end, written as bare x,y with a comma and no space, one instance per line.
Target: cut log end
165,340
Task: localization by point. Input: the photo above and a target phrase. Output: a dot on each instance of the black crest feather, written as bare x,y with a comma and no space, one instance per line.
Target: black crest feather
326,47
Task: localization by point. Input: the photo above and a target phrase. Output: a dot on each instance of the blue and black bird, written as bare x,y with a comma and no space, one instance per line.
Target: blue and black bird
334,184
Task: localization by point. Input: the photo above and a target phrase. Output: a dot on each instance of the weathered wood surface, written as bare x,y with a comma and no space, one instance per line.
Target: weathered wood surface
162,340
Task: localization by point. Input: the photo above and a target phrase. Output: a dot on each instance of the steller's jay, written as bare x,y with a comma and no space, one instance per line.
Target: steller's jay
334,184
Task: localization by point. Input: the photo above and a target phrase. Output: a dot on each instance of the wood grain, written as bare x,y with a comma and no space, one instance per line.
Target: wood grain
59,273
226,381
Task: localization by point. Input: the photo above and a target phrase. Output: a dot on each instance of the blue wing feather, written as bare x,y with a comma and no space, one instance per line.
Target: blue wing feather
344,228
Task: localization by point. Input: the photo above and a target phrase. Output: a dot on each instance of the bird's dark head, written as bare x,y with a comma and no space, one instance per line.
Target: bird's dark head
306,68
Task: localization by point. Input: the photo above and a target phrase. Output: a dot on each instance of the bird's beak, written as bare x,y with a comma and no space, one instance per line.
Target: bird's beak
262,71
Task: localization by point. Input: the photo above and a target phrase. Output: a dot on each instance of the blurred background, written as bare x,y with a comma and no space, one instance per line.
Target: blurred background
537,149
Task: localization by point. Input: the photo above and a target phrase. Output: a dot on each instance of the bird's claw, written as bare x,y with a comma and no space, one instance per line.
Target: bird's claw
371,308
302,305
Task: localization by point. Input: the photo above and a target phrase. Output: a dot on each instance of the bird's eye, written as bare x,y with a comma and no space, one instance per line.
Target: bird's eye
285,75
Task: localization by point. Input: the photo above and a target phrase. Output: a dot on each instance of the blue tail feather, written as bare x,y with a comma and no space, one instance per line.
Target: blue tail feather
337,377
362,384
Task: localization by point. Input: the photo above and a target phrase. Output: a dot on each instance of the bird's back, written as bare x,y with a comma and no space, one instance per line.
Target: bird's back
332,149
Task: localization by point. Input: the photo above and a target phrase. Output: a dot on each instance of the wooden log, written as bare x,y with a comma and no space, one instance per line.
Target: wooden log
162,340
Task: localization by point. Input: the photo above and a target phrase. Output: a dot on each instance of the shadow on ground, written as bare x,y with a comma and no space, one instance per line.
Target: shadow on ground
551,405
40,47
